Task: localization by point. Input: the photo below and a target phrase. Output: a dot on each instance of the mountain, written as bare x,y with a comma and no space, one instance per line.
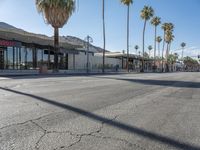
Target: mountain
6,26
79,41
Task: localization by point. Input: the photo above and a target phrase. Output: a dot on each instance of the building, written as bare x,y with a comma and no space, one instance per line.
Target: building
21,50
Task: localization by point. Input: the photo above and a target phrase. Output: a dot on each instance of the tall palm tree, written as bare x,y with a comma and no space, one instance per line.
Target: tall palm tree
159,39
169,37
183,44
146,14
56,13
150,48
136,48
155,22
127,3
104,34
167,28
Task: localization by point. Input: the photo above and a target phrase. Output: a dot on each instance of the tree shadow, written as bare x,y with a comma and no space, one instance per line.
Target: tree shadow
117,124
169,83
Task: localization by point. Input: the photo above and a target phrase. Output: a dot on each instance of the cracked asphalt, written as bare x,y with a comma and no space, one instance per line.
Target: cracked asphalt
101,112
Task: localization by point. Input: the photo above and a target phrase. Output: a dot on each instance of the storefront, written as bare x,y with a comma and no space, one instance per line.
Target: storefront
18,55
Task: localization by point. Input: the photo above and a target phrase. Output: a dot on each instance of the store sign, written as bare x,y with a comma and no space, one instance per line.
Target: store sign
10,43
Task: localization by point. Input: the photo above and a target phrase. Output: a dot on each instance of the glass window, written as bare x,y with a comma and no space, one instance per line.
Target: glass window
39,57
23,58
29,58
10,57
45,58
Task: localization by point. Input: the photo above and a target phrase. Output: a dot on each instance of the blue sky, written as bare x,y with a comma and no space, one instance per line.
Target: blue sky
87,20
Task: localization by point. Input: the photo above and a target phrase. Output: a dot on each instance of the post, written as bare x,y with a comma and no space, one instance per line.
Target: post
87,65
74,62
127,63
104,36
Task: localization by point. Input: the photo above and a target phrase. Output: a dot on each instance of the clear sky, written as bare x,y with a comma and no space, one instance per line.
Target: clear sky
87,20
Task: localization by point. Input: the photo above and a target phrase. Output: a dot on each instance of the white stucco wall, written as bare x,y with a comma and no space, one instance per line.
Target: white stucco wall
95,62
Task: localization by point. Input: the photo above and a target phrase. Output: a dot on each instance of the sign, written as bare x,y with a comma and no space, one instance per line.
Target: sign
6,43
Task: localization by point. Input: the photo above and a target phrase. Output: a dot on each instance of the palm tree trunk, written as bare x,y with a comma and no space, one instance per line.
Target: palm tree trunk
155,46
167,54
127,61
143,45
159,54
104,36
56,48
163,50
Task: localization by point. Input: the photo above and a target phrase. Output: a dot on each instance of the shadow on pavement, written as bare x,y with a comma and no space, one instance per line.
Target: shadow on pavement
38,76
170,83
128,128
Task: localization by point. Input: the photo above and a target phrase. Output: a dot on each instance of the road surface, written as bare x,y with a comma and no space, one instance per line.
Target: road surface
101,112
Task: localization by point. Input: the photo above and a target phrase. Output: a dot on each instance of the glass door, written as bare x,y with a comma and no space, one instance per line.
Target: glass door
1,58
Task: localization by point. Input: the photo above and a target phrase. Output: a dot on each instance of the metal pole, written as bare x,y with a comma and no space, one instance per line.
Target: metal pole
104,37
128,38
87,65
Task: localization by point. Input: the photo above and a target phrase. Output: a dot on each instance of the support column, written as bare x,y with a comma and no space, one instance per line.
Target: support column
13,58
74,67
34,57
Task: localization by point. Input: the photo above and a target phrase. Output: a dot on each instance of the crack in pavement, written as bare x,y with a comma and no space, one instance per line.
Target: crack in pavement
80,136
21,123
92,134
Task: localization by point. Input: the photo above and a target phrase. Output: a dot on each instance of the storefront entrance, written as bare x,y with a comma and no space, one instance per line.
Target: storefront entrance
1,58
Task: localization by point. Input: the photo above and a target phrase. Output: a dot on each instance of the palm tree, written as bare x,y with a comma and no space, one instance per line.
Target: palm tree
159,39
127,3
169,37
104,34
56,13
166,27
150,48
183,44
155,21
146,14
136,48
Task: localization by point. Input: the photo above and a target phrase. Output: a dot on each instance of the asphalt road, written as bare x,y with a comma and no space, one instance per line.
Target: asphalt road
110,112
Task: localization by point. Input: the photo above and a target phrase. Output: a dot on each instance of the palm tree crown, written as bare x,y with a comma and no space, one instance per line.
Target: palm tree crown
127,2
155,21
159,39
150,47
147,12
136,47
56,12
183,45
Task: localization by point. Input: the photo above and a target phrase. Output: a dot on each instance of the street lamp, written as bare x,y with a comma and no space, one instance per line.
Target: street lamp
89,40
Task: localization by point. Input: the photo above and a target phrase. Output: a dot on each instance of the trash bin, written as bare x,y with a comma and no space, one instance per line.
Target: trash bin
43,69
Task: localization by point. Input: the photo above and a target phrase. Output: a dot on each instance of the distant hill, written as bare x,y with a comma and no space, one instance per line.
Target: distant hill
6,26
79,41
